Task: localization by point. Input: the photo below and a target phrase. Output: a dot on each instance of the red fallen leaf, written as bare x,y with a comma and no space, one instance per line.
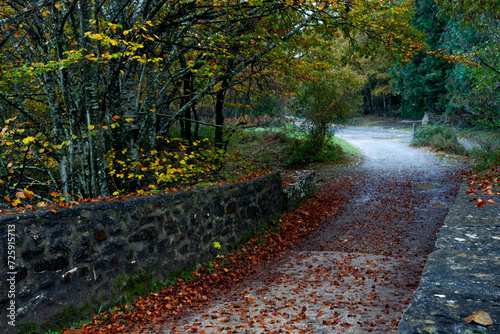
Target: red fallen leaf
480,204
490,201
346,325
52,210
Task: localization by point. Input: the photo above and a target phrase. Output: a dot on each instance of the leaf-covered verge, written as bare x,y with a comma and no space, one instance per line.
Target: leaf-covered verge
484,185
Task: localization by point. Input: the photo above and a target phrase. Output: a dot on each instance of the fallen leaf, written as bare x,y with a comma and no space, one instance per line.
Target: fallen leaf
481,318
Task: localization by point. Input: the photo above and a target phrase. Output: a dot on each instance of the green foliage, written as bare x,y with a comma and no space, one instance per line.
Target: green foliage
266,105
263,148
330,95
181,163
476,13
306,151
127,287
442,138
472,90
459,74
421,82
487,155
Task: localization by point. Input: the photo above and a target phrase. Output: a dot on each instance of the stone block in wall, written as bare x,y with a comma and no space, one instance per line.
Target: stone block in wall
297,193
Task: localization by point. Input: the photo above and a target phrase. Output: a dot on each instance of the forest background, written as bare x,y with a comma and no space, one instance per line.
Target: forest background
112,98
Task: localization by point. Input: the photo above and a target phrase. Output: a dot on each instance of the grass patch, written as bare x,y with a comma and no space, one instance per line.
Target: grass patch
127,287
439,137
264,148
288,147
348,148
305,151
71,317
486,154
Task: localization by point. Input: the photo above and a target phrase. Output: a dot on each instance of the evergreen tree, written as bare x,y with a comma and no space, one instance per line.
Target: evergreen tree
421,82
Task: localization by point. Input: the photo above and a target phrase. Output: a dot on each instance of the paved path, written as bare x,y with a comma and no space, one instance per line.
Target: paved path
358,272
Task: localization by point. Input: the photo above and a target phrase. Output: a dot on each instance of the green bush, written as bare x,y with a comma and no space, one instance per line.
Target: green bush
439,137
305,151
487,155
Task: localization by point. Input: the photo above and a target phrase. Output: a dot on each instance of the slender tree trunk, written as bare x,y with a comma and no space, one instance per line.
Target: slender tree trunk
368,99
57,119
196,125
93,114
219,114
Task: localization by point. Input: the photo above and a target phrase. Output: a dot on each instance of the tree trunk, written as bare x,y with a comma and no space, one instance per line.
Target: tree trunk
219,115
368,99
91,106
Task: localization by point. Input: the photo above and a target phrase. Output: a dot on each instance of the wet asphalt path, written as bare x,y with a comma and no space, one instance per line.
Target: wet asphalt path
357,273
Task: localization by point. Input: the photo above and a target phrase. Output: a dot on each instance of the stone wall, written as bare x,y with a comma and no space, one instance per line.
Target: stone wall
299,191
72,255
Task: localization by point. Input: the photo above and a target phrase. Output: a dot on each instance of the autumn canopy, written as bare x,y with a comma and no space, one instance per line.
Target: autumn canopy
106,97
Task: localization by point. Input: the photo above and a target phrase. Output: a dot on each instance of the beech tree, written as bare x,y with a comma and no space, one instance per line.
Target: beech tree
327,85
87,85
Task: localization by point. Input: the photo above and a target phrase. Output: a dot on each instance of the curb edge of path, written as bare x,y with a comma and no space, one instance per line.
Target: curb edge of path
462,274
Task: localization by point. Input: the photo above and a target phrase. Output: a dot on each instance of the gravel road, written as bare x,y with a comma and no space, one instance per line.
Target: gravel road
357,273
